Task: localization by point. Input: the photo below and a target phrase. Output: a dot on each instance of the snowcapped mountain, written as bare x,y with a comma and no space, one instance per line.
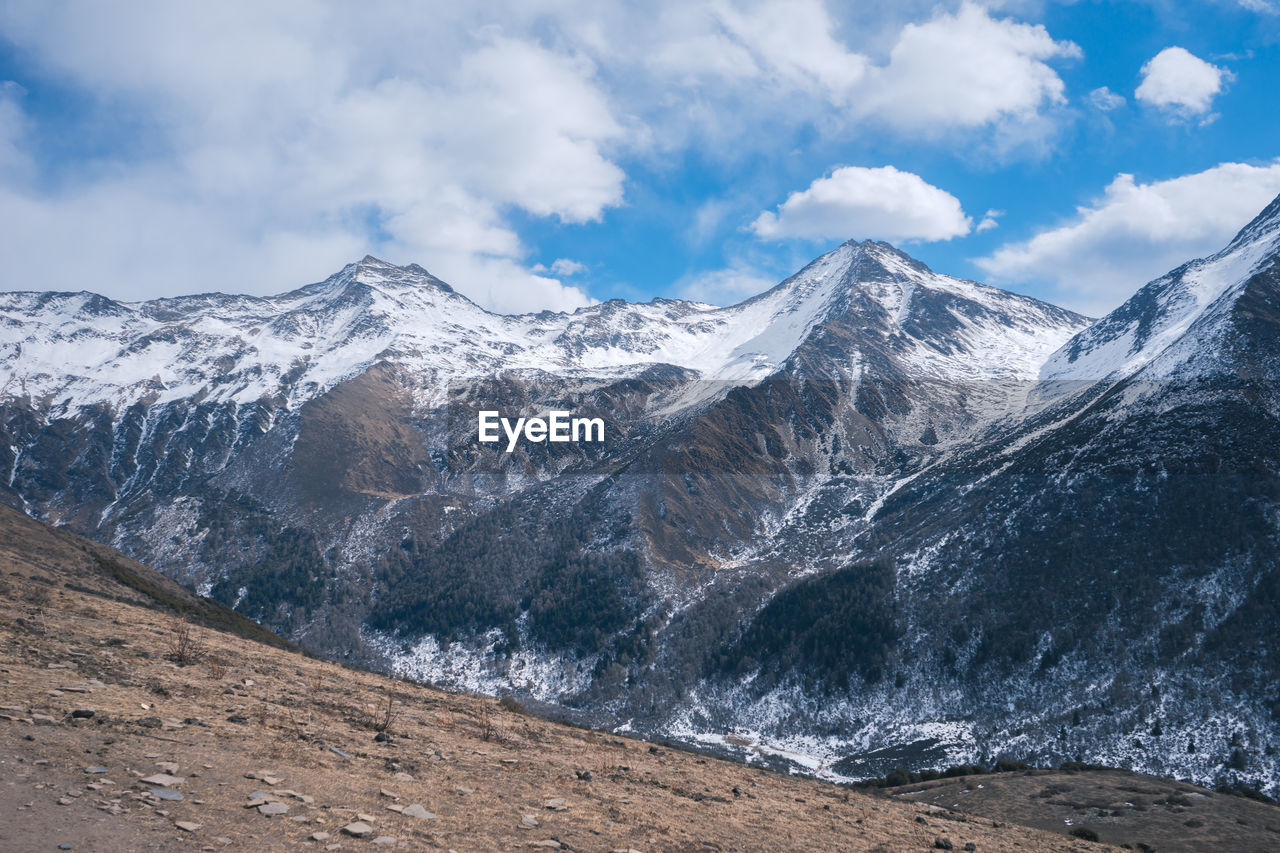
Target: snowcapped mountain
873,508
1176,323
79,349
1094,576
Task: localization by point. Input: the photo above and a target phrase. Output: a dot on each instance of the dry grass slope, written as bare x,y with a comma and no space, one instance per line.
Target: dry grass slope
261,748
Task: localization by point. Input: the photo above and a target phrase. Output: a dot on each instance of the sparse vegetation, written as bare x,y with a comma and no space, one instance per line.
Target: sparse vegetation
381,715
185,643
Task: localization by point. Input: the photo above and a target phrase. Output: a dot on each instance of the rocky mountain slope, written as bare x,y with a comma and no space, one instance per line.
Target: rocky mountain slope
115,738
873,516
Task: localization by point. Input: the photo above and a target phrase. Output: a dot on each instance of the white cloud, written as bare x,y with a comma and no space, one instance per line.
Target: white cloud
1106,100
269,142
1180,81
967,69
794,42
1136,232
288,142
881,203
725,286
13,131
566,266
989,221
1265,7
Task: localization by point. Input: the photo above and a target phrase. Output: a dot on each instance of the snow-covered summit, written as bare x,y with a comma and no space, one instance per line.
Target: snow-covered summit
1174,320
69,350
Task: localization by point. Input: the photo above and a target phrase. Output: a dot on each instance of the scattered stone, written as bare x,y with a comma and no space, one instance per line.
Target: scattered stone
319,836
151,723
65,801
625,850
237,718
95,770
188,826
166,794
168,767
367,818
418,811
528,821
555,804
43,720
254,802
385,839
164,780
359,829
942,843
462,790
403,777
395,808
382,737
549,843
339,753
737,790
384,792
82,714
64,846
970,847
653,750
273,808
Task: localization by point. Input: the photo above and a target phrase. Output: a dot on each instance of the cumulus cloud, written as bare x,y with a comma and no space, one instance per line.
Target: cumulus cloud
1177,80
853,201
989,221
966,69
1136,232
1106,100
956,69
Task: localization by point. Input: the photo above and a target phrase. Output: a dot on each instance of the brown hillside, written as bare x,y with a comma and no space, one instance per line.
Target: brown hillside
81,631
1122,808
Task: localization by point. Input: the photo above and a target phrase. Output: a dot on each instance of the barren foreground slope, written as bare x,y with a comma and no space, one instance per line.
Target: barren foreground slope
109,743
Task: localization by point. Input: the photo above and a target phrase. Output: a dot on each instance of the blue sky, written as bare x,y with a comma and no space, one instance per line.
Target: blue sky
543,155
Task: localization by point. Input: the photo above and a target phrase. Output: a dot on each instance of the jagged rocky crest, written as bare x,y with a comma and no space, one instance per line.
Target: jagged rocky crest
873,516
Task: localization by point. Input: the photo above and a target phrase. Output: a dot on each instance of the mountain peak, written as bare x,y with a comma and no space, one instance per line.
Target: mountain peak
1264,226
1172,323
371,270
